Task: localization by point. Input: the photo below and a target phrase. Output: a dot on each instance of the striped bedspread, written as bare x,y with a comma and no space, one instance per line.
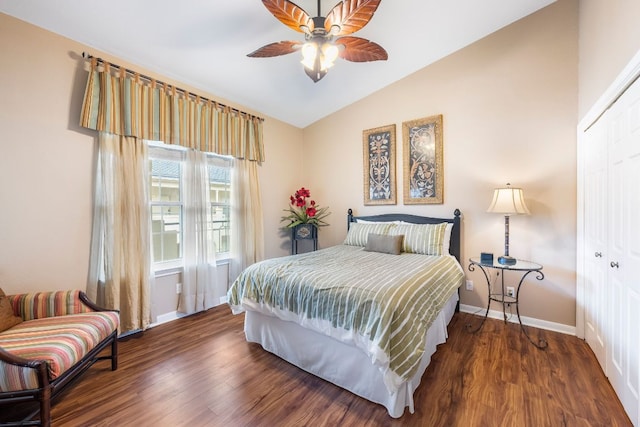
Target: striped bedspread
381,303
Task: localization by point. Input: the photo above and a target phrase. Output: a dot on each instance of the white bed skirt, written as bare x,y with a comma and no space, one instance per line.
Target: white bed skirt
342,364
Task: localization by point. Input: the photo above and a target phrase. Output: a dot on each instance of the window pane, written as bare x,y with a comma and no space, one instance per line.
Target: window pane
166,227
220,230
220,196
165,181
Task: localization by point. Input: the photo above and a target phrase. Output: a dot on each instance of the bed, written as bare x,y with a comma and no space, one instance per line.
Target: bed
366,315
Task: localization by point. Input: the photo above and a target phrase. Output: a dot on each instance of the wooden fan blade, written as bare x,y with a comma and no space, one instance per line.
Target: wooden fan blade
290,14
315,75
350,16
357,49
275,49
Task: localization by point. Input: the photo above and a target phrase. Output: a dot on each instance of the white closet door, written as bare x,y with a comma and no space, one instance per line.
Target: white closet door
595,238
632,258
623,256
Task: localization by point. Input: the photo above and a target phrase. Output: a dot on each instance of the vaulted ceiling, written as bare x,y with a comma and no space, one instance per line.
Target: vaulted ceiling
205,44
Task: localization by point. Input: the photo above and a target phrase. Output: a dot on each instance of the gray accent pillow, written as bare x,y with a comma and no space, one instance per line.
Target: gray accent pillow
384,243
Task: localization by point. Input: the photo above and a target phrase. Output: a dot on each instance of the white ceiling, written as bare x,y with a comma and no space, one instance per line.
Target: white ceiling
204,43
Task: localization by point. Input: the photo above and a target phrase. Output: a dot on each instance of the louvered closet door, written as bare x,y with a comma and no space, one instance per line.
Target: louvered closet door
624,249
595,237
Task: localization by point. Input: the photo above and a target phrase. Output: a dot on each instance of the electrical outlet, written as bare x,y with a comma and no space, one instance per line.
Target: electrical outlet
469,285
511,291
178,288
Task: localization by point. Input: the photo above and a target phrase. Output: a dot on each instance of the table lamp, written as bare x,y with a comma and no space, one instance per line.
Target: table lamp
508,201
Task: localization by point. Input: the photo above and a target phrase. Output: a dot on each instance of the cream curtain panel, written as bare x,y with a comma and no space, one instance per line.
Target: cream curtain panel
199,278
121,104
247,239
121,244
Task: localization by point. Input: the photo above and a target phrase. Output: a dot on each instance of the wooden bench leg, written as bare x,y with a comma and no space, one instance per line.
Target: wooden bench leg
45,407
114,353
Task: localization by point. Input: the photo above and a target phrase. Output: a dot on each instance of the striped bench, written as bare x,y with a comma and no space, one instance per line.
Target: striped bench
62,335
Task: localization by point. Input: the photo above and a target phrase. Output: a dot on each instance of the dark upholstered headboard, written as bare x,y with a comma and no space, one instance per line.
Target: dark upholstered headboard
454,245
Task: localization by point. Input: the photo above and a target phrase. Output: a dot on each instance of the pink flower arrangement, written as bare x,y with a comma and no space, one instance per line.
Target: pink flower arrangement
304,210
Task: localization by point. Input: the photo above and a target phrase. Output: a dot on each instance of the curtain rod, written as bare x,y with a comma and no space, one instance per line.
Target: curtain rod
86,55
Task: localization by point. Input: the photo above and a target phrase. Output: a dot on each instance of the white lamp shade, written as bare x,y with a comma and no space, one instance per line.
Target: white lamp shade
508,201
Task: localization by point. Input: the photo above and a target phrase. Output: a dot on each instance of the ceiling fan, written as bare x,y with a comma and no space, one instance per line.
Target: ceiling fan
320,47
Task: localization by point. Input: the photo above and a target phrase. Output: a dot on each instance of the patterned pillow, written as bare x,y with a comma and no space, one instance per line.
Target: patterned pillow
425,239
447,236
359,233
7,318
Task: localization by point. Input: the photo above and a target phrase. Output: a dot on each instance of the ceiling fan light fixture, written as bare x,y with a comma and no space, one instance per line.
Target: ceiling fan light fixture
329,55
309,54
321,47
322,58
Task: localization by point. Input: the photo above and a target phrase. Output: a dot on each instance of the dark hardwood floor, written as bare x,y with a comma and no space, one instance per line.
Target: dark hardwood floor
200,371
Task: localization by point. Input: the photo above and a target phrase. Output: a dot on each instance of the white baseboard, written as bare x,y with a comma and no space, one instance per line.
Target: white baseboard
173,315
528,321
167,317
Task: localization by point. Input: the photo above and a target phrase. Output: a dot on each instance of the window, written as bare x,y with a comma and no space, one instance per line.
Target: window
167,208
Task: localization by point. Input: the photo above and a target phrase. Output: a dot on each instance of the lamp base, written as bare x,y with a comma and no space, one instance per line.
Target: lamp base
506,260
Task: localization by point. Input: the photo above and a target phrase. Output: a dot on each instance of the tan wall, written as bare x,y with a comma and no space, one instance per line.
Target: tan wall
47,163
279,178
509,104
609,37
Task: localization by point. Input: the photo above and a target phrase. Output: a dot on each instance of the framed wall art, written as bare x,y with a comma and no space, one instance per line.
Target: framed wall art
379,165
422,161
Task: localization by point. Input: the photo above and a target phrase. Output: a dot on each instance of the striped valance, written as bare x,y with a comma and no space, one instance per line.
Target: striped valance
128,105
